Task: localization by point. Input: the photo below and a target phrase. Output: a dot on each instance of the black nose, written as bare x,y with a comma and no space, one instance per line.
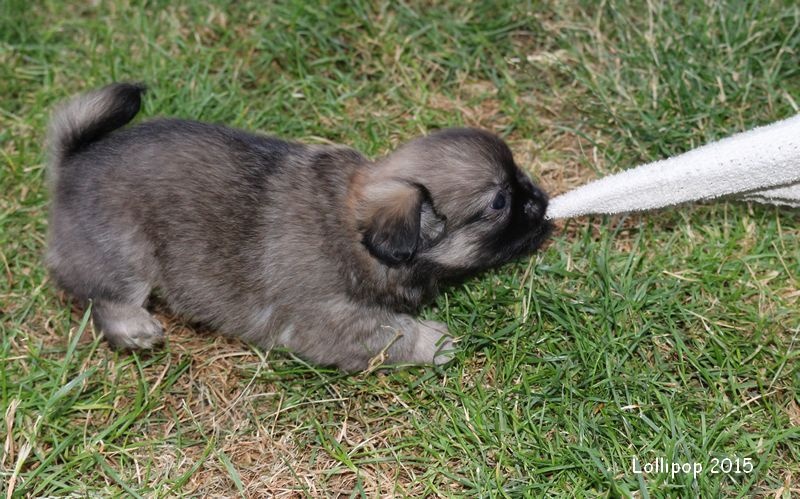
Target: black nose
536,205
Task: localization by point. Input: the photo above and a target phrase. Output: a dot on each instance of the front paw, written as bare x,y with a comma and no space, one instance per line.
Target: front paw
434,343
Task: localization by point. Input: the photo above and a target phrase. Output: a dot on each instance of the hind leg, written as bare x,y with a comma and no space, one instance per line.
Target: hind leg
124,321
119,312
114,272
127,326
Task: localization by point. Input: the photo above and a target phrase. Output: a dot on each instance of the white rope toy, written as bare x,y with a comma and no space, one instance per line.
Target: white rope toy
761,165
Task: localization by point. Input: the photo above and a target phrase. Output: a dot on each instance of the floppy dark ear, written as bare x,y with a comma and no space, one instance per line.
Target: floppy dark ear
397,220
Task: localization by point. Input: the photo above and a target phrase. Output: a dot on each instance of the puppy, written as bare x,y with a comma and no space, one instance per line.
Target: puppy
315,248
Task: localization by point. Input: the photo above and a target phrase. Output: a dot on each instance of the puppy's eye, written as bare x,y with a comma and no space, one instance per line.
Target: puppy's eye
499,201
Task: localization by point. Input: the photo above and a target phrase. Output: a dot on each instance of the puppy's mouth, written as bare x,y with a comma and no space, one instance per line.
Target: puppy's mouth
541,234
533,241
523,245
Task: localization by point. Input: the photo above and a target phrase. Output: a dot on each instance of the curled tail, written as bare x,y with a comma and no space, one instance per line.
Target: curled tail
90,116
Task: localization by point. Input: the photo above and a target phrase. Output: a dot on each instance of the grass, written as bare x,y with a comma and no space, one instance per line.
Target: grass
670,335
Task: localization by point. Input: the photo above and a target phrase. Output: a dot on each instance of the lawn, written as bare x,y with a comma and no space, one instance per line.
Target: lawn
672,335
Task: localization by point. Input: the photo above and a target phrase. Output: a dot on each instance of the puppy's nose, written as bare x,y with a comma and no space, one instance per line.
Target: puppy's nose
536,206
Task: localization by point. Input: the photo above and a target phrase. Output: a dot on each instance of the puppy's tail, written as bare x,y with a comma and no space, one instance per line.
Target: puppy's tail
90,116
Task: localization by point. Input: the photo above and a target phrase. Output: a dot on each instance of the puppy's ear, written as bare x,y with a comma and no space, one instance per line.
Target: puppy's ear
397,219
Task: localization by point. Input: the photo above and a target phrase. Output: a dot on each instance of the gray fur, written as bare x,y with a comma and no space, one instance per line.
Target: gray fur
316,248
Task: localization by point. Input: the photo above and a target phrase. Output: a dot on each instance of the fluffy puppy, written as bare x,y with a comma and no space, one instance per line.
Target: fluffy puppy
315,248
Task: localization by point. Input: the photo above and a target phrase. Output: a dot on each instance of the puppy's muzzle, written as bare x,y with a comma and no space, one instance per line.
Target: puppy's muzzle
535,206
535,203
